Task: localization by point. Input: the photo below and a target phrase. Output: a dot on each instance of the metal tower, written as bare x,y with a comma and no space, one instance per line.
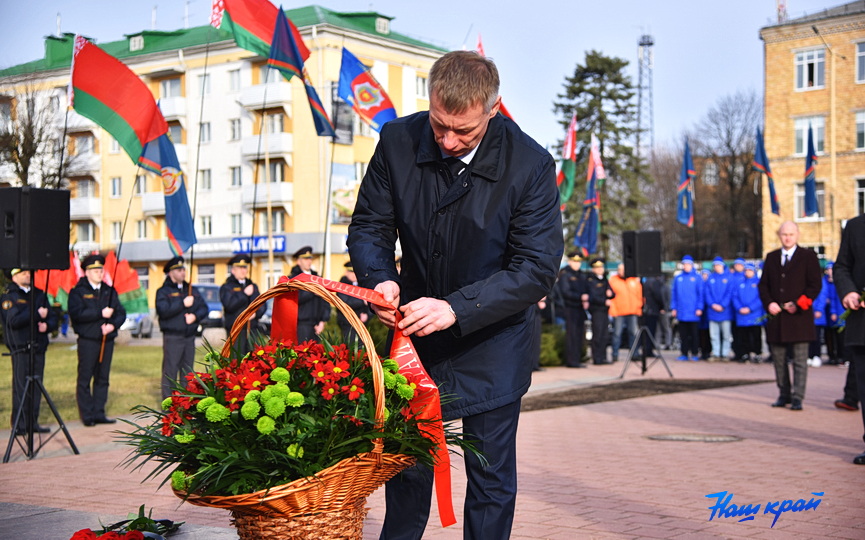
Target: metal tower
645,115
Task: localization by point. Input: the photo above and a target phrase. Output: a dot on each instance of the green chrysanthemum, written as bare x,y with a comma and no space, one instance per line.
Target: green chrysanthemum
217,413
253,395
389,380
280,374
405,391
205,404
265,425
274,407
294,399
295,451
390,365
179,480
400,378
185,437
166,403
250,410
280,390
267,393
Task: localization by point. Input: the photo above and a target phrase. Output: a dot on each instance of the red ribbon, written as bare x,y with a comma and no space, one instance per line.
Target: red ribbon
426,404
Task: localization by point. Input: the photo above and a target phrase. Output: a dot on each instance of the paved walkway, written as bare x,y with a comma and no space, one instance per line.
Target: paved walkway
585,472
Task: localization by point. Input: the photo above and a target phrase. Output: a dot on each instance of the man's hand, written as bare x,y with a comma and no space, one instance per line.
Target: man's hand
43,312
107,328
248,290
745,310
42,327
853,301
673,313
774,308
190,317
718,307
425,316
699,313
790,307
390,291
188,300
319,328
363,318
107,312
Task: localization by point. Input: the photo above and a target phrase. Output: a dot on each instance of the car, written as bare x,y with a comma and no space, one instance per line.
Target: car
210,293
139,325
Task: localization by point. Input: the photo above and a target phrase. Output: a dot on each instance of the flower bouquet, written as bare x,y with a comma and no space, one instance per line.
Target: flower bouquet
291,437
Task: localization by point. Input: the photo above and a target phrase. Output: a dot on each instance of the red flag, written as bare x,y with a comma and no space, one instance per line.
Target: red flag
504,110
252,23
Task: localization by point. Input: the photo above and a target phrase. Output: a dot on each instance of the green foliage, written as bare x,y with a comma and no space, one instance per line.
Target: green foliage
552,345
603,97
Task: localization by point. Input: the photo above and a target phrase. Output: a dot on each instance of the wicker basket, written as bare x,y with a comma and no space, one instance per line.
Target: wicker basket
329,504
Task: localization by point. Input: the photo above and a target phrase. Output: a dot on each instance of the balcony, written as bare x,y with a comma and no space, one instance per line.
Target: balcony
84,164
281,194
173,108
83,208
153,204
75,123
278,144
276,94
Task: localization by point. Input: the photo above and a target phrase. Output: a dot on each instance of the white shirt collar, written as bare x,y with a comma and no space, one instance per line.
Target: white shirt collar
788,252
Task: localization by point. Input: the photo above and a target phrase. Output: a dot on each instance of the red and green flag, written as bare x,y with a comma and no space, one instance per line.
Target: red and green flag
104,90
124,279
252,23
568,169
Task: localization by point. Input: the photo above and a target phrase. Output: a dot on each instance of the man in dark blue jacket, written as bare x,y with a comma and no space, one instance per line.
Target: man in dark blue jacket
15,315
236,294
180,309
473,201
96,315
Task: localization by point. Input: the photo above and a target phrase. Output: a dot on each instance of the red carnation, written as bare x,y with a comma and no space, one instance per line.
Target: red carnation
134,535
804,302
84,534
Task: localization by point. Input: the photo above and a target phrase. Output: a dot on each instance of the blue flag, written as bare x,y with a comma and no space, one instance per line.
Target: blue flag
159,157
685,194
589,226
285,56
811,177
761,164
358,88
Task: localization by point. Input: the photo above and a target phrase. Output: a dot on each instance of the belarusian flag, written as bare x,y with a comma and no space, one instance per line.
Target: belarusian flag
252,23
104,90
565,178
125,281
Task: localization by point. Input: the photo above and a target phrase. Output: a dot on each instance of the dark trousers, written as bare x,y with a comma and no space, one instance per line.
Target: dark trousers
92,388
491,490
856,357
575,329
705,343
689,335
737,345
306,331
782,373
751,338
20,370
178,358
600,334
242,344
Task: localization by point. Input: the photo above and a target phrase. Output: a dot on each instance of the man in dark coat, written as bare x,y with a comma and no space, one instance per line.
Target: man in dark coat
849,276
236,294
473,201
599,295
571,288
313,312
359,306
15,307
180,308
96,315
790,282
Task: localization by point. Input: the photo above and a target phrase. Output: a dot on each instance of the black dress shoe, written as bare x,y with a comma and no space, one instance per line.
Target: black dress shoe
105,420
844,405
42,429
860,459
781,402
89,423
796,405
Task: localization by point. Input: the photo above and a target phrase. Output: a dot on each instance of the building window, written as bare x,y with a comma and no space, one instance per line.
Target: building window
860,62
710,174
360,127
84,144
86,232
277,172
799,209
140,185
114,147
268,75
86,188
860,130
204,180
234,129
143,277
136,43
810,69
53,105
207,274
204,85
175,133
277,224
205,225
817,124
116,187
141,229
169,88
382,25
421,87
236,224
116,231
5,116
234,80
205,132
236,176
275,122
860,197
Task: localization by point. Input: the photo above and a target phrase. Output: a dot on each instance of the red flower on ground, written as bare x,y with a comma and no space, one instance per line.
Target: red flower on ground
111,535
84,534
134,535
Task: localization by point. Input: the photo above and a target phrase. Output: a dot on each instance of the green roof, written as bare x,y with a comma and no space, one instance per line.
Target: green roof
58,49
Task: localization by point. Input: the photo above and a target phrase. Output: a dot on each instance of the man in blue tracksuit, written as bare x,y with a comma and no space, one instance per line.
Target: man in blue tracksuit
686,305
718,295
749,314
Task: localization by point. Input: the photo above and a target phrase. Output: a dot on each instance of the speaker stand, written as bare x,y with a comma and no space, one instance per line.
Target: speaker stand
659,357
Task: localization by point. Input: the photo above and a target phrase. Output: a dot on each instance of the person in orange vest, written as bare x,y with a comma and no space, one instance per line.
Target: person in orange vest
625,307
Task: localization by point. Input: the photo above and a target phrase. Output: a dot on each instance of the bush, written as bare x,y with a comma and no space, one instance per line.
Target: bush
552,345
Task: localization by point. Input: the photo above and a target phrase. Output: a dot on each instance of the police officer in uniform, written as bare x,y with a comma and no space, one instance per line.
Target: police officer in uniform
180,309
360,307
312,311
571,288
236,294
599,296
15,316
96,315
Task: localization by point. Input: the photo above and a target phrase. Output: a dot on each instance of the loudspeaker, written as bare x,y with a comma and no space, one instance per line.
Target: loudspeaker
641,253
35,228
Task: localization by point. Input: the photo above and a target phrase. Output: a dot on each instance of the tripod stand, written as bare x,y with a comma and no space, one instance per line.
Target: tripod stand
33,391
633,350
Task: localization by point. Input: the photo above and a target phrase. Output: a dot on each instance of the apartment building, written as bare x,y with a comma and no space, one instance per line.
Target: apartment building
244,137
815,75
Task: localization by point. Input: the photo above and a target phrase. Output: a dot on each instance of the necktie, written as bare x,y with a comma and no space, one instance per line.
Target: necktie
786,259
454,165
